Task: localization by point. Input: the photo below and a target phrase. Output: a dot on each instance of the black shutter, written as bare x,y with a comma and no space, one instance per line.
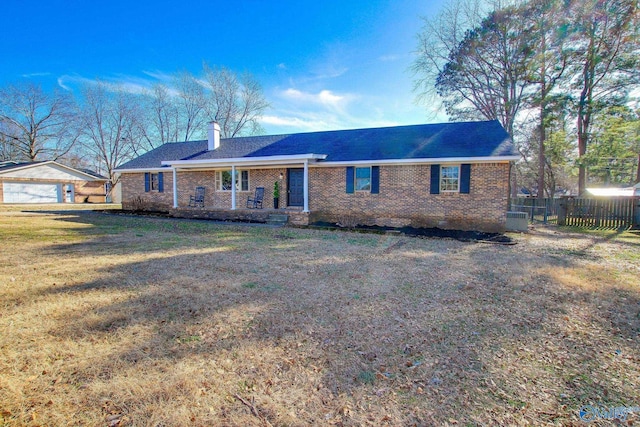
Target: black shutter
375,179
147,182
351,176
465,178
160,183
435,179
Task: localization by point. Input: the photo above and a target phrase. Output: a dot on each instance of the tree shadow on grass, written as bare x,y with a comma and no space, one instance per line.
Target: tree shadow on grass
576,323
591,236
141,233
317,329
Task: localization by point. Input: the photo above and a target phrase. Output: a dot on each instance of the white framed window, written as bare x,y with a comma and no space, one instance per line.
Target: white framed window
363,179
225,181
450,179
154,181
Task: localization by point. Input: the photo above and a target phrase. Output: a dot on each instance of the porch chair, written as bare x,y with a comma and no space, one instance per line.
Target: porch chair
197,200
255,202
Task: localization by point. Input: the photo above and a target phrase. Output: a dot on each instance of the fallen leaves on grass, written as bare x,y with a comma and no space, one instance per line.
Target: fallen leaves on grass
202,324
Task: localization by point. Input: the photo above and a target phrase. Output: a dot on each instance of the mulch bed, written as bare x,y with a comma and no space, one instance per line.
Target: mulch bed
434,232
461,235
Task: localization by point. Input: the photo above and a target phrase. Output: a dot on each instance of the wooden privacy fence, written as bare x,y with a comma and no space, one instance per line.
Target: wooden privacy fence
619,212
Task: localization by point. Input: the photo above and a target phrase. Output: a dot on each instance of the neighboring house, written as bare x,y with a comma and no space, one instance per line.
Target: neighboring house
49,182
449,175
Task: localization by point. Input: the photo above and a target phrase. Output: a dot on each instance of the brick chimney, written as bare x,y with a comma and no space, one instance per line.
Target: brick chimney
213,134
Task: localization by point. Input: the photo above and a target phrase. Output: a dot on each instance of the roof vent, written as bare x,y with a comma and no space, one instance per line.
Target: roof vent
213,134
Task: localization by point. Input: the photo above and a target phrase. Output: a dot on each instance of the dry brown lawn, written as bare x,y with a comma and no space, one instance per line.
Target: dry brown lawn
108,320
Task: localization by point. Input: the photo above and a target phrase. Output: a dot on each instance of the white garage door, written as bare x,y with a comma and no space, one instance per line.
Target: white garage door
22,192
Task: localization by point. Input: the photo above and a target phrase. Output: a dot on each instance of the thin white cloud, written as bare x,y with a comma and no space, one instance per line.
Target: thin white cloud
134,85
326,72
126,83
63,85
325,67
325,98
160,76
293,93
294,110
328,98
30,75
168,79
297,110
297,123
68,82
389,58
330,73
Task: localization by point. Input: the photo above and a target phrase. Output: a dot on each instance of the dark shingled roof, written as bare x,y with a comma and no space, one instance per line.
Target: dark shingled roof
92,173
166,152
432,141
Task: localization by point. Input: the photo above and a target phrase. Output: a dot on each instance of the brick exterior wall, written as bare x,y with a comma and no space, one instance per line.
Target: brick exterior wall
92,191
404,198
84,191
133,187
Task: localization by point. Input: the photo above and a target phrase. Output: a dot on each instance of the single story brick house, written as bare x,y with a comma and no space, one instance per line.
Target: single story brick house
448,175
49,182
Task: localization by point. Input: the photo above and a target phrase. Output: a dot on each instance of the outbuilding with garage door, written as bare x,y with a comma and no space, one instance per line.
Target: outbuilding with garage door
49,182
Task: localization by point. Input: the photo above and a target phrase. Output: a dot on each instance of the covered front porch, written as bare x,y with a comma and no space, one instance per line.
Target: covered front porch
229,183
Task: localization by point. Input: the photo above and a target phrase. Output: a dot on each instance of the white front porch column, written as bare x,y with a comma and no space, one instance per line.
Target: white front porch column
233,188
306,186
175,188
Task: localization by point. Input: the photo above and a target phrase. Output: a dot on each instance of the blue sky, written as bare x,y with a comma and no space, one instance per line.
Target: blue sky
322,64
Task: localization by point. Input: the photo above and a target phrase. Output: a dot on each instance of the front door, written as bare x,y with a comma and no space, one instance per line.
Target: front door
295,187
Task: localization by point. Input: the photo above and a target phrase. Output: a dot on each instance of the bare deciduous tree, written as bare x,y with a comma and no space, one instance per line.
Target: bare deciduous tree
178,110
488,73
190,101
8,150
110,122
37,124
440,36
162,120
235,103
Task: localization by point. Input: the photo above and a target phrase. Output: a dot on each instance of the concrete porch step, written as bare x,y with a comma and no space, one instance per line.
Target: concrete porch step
277,219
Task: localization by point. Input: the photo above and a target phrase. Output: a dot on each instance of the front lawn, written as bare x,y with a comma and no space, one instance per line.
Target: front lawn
125,321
